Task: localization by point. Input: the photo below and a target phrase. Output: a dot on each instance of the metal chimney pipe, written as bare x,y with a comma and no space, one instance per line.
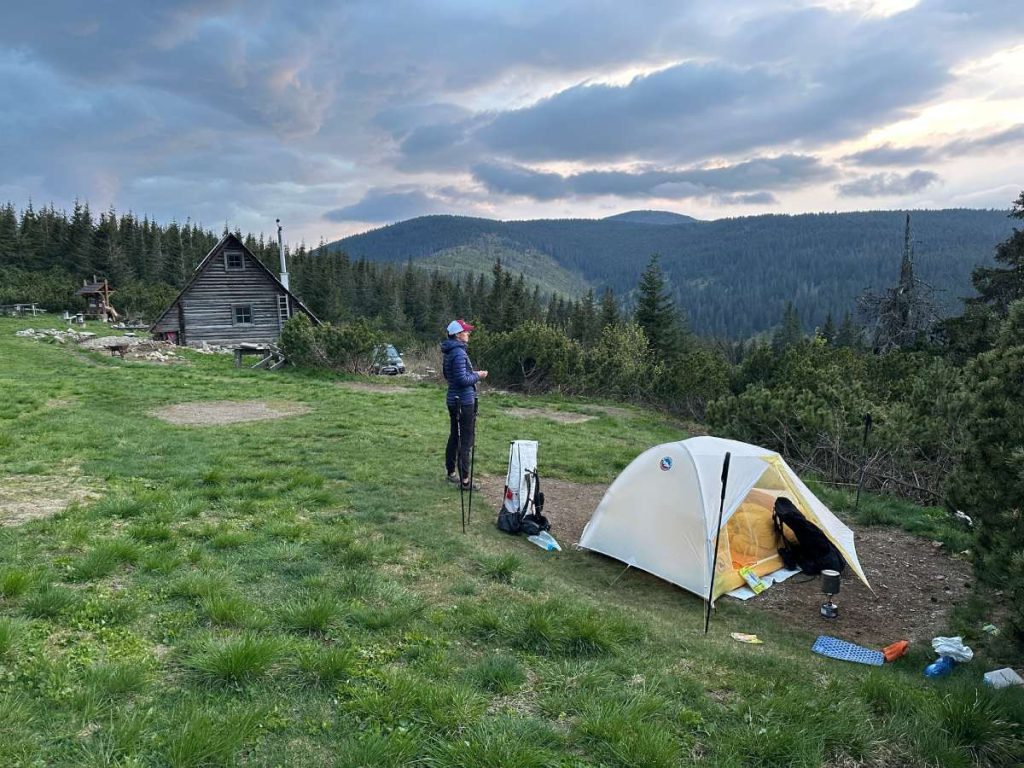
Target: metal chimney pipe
280,248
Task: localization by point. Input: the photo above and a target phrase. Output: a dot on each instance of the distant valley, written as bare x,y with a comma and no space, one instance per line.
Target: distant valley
732,277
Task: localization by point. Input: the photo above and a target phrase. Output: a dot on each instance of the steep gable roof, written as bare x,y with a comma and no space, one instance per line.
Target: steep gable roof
224,241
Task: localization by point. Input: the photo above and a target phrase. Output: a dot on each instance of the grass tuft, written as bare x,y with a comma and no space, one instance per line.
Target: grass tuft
14,582
502,741
114,682
324,667
236,661
49,602
200,735
11,631
105,558
498,674
311,615
500,568
229,610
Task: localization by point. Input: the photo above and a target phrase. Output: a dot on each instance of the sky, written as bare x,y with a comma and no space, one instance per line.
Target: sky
341,116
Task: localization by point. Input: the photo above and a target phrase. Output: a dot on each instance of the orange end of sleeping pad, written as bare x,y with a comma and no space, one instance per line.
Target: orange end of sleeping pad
895,650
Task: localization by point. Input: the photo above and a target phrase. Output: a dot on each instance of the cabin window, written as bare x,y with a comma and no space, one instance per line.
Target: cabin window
234,260
243,314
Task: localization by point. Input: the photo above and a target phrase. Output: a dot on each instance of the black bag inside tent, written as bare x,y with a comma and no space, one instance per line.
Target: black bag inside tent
811,552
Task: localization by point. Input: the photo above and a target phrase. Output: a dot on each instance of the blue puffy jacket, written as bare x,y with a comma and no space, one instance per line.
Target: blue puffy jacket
458,372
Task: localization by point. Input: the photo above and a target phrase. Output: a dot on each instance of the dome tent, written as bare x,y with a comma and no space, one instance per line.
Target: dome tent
661,514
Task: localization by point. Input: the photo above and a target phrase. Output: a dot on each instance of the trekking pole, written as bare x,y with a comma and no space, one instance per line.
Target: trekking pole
472,461
864,462
718,532
458,458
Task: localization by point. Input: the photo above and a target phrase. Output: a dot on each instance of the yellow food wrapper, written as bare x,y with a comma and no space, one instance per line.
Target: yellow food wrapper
753,580
744,638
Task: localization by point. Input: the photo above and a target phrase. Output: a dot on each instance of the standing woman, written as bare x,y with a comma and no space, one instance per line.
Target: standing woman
461,400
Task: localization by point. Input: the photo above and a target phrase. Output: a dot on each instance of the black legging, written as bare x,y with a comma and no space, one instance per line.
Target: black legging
468,424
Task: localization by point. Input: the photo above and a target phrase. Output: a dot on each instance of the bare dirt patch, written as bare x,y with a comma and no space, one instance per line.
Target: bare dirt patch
33,497
220,412
386,386
562,417
916,583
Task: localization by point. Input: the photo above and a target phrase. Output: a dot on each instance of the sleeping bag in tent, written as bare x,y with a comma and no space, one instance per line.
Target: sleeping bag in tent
661,514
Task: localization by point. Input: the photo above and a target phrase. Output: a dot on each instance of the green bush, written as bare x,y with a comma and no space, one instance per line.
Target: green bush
989,484
621,364
347,347
533,357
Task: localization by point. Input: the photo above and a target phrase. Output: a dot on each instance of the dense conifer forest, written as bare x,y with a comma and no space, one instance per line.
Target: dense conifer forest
819,262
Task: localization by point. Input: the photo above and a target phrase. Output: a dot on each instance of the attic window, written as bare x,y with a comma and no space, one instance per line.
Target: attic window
242,314
234,260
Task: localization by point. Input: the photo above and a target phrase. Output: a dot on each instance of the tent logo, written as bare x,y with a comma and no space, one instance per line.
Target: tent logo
666,464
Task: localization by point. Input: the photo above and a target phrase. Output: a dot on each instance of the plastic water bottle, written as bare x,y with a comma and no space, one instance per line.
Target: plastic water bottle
941,667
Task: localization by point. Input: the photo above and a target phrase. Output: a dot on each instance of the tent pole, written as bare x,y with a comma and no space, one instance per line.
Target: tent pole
718,533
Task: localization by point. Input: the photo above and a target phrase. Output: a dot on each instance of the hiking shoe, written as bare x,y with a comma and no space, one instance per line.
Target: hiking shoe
467,487
453,478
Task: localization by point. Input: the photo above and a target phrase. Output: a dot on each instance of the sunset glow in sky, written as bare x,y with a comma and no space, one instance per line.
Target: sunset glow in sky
340,117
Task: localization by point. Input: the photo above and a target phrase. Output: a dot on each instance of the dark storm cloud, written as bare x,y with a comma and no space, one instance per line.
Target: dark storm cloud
384,206
883,184
743,182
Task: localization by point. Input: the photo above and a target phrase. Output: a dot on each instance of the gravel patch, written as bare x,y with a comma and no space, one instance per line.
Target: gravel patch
33,497
220,412
562,417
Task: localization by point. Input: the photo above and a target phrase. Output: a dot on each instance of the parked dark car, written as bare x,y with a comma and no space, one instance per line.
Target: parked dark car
387,361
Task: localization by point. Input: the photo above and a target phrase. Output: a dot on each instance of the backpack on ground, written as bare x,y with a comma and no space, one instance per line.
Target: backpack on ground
522,492
811,551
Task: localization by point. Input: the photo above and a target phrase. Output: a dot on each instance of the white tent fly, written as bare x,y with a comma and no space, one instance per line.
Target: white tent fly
661,514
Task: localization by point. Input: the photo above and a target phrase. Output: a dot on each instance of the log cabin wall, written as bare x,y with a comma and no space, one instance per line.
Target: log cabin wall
231,299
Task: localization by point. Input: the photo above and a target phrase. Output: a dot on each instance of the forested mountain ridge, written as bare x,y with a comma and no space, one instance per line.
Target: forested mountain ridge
732,277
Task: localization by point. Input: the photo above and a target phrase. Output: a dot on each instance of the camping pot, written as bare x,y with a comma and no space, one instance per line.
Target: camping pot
830,582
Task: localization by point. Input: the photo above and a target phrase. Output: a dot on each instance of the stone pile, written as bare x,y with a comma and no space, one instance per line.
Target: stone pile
57,335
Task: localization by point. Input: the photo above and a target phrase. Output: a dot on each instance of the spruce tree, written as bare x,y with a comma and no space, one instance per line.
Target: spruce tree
609,310
998,287
656,312
828,330
790,331
8,236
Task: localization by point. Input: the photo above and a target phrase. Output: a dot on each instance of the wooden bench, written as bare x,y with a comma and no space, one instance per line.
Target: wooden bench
270,356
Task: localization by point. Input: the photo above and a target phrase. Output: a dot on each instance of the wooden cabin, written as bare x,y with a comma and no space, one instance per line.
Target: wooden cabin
231,299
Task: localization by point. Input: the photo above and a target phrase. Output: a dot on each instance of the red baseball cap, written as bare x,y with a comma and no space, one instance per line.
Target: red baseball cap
458,326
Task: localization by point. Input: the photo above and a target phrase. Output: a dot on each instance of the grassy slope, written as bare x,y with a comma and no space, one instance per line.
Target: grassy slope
538,268
298,592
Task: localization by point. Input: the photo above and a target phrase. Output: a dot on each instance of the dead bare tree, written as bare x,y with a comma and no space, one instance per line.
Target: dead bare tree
904,314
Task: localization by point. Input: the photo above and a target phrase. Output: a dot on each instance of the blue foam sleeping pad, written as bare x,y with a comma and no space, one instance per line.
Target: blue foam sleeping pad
835,648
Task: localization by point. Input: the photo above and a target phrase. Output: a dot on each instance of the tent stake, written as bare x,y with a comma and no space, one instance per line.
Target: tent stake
718,532
621,574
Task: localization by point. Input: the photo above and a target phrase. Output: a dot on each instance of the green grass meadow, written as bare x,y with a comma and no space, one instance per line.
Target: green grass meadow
298,592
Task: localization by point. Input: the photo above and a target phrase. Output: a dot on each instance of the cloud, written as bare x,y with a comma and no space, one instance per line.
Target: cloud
888,155
218,108
883,184
386,206
747,182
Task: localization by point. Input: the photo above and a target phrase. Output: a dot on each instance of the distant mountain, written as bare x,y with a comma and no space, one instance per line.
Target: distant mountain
651,217
732,277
